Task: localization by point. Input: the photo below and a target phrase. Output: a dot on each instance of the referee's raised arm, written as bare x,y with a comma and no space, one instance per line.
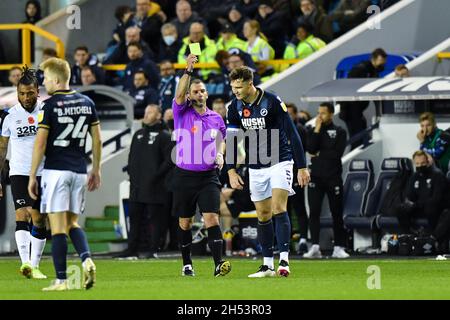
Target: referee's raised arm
183,84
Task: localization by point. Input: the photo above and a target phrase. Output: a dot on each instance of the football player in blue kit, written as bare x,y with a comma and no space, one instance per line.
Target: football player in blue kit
265,114
67,118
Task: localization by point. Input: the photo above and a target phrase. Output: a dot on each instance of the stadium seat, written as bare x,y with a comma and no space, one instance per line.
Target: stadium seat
358,182
346,64
389,168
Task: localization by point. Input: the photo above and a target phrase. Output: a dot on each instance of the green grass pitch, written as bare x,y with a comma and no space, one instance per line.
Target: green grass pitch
161,279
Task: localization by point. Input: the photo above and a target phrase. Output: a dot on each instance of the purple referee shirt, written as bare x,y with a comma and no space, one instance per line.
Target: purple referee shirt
196,137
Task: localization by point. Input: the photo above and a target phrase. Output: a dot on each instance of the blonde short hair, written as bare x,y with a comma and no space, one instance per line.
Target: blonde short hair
419,153
58,67
428,116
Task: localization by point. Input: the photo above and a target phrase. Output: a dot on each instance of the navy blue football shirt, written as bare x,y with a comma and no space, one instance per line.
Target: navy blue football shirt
68,116
267,113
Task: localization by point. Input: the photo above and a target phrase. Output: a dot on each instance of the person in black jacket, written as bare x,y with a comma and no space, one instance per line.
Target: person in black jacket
119,54
170,43
273,26
326,144
139,62
142,93
149,162
353,112
168,84
427,197
83,59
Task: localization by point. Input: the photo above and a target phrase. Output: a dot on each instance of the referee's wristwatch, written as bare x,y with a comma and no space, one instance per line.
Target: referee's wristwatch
189,73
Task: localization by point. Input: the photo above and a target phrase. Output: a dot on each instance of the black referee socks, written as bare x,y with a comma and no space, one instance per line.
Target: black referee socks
185,239
215,243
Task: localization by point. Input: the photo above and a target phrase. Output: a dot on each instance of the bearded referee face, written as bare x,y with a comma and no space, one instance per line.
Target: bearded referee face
198,94
27,95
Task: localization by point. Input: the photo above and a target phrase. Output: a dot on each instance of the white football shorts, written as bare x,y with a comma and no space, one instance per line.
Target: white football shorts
63,191
278,176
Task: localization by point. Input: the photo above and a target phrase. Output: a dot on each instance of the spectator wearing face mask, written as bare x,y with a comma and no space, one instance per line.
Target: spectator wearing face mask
426,197
170,43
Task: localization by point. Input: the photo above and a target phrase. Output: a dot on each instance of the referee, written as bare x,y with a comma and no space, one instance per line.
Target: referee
195,180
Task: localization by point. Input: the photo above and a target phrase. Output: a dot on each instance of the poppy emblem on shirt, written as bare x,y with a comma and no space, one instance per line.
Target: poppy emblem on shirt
246,113
30,120
194,129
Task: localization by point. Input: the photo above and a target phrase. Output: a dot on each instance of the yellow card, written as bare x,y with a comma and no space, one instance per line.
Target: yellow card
195,49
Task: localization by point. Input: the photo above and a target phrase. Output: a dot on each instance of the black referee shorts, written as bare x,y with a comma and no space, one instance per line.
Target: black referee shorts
19,190
191,189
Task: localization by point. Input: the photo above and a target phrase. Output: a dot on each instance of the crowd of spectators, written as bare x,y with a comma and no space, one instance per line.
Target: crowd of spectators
230,32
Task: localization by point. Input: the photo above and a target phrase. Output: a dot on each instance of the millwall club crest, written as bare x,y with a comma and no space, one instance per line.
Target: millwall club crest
264,112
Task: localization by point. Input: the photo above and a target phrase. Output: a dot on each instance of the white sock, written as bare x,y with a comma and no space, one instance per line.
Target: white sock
60,281
268,262
284,256
315,247
302,240
23,245
37,247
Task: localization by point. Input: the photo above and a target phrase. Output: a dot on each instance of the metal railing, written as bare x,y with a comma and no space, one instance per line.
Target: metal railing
117,139
363,135
26,30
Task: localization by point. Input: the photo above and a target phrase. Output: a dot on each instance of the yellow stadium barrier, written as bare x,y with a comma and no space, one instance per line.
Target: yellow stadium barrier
26,42
443,55
209,65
